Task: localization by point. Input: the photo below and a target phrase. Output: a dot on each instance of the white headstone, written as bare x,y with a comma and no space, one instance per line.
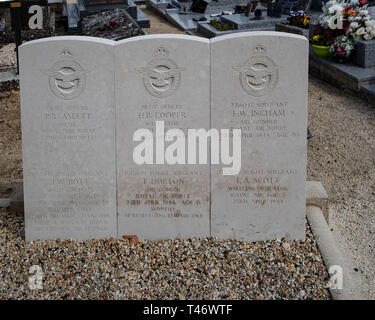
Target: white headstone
161,78
259,84
82,100
68,138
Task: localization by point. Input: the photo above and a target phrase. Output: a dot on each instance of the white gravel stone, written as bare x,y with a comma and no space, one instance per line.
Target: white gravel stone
8,55
206,268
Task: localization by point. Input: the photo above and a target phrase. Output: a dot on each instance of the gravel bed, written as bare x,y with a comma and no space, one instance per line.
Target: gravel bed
8,56
113,24
170,269
97,25
341,155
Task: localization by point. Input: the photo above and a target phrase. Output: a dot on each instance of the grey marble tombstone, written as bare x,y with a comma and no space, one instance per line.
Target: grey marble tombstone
162,78
68,138
259,84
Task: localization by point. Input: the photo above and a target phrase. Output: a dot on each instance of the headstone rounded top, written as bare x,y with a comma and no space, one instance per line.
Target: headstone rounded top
67,38
260,34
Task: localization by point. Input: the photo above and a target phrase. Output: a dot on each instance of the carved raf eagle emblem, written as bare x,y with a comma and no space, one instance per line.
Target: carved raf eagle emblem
161,76
66,79
259,74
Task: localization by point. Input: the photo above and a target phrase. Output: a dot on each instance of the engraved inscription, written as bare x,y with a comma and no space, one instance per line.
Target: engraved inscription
163,193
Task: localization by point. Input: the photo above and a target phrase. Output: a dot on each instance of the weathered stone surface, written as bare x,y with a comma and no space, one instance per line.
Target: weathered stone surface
82,100
242,22
161,201
259,84
286,27
365,53
345,75
317,196
68,138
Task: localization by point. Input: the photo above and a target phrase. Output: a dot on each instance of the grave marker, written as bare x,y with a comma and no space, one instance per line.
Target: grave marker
83,99
68,138
259,84
161,78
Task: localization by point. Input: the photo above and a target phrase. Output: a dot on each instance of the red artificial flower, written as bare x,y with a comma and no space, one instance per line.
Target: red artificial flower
363,2
113,23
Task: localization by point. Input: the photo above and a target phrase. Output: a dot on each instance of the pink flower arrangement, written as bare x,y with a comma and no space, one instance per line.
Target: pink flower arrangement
342,48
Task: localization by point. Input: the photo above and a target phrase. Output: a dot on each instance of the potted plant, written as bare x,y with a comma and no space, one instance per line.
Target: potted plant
299,19
322,40
321,50
221,26
341,48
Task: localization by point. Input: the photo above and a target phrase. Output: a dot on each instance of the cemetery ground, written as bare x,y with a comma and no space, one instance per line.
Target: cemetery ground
158,24
340,155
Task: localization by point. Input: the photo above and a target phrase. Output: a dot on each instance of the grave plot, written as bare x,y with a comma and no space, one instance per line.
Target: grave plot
214,18
354,71
76,9
187,14
68,146
332,158
82,178
246,18
253,77
255,91
348,56
157,81
114,24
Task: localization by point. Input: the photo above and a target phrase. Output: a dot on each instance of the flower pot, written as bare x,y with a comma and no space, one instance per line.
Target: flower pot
321,51
342,60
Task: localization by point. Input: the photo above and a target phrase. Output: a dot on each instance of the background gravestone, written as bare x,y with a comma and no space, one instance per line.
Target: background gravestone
259,84
68,138
161,78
